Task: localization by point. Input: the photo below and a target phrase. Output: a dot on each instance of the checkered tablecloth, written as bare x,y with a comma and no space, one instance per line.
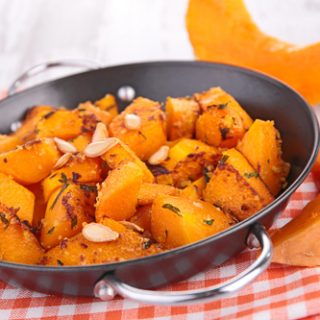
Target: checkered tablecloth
279,293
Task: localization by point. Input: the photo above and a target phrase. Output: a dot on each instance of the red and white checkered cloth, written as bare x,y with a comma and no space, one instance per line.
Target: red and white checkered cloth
279,293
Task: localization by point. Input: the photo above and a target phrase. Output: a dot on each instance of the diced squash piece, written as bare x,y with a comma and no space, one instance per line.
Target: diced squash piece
14,195
261,145
67,208
91,115
152,133
188,158
223,122
78,170
149,191
62,123
297,242
194,190
79,251
177,221
121,153
81,141
28,129
182,114
117,197
18,244
31,162
236,187
142,218
108,103
40,205
9,142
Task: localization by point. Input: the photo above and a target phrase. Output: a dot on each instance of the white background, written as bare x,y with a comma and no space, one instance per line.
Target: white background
119,31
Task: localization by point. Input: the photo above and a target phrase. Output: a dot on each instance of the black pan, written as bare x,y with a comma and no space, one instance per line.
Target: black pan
263,97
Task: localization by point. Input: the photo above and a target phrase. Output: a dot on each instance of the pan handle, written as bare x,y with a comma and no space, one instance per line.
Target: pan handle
41,67
109,286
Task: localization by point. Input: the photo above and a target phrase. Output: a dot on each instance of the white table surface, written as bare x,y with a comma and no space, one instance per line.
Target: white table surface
120,31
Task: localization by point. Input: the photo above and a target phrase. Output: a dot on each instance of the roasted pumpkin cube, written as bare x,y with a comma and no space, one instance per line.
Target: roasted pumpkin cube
68,207
118,195
235,186
223,122
149,191
91,115
18,244
177,221
80,251
28,129
40,205
187,160
31,162
13,195
182,114
62,123
79,170
261,145
121,153
81,141
150,135
142,218
9,142
108,103
194,190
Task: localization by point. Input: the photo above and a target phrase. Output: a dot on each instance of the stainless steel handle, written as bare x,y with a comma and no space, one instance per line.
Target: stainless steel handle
39,68
108,287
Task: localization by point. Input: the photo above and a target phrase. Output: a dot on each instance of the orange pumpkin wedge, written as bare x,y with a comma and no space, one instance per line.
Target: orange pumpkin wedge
223,31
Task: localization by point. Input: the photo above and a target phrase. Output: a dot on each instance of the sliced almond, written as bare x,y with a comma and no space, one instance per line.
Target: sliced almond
132,226
65,146
132,121
159,156
96,232
63,160
100,133
98,148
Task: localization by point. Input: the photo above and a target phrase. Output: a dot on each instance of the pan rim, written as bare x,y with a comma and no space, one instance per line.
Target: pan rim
243,224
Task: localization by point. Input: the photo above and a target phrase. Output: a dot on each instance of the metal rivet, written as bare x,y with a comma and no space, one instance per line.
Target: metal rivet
252,241
15,126
104,291
126,93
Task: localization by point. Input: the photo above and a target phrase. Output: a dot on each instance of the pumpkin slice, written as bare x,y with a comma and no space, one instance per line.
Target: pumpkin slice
297,243
223,31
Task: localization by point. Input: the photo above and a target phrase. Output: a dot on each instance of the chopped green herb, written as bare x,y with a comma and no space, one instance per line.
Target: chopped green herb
64,178
48,115
75,176
223,159
52,176
65,186
224,132
146,244
207,174
172,208
4,220
110,107
59,262
209,222
74,221
51,230
88,188
222,106
251,174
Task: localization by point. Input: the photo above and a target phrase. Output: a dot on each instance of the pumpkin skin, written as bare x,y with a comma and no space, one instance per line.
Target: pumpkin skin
223,31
